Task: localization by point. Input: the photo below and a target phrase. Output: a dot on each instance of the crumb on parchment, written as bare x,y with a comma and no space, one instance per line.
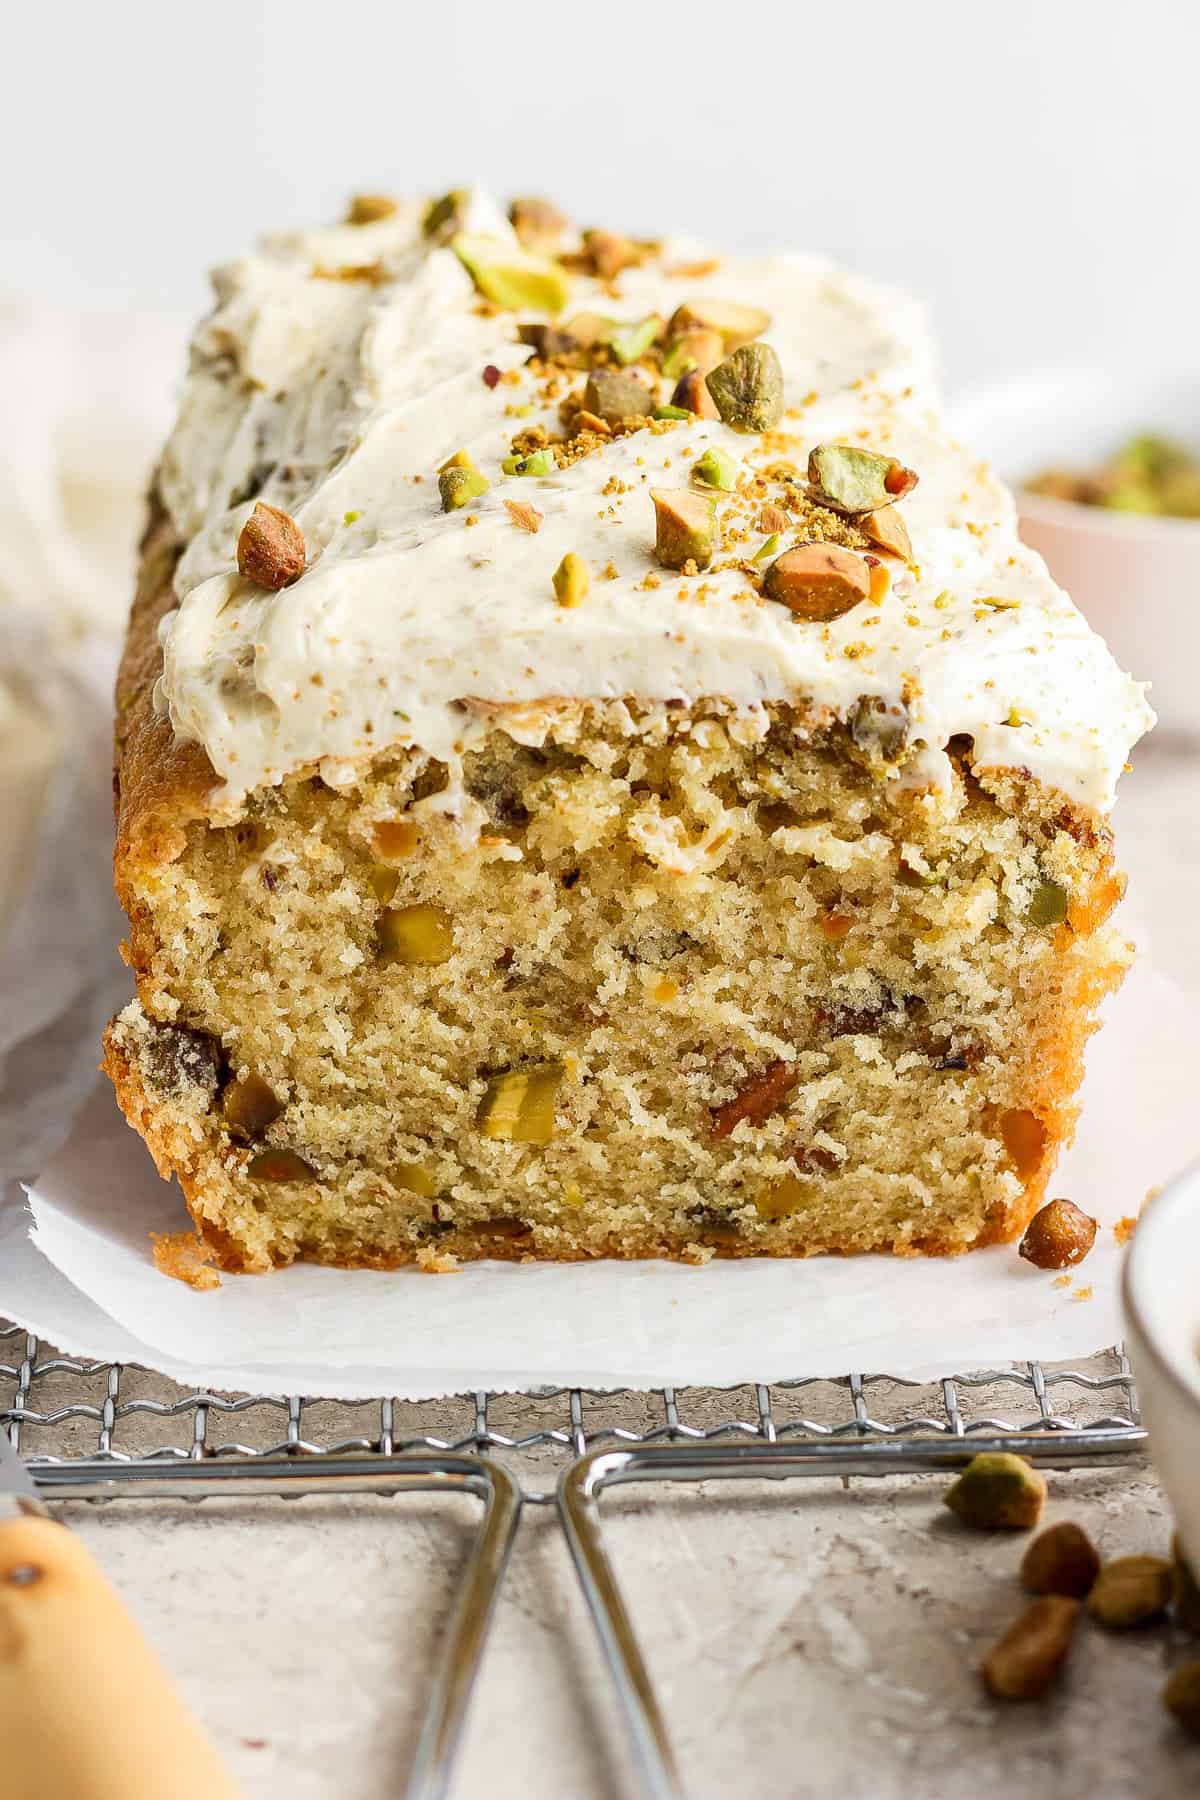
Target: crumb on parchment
182,1256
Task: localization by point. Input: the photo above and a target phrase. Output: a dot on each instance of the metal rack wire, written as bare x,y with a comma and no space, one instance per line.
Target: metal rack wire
103,1431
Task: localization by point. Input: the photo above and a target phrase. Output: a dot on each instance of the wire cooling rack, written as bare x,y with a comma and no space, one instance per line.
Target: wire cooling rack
106,1431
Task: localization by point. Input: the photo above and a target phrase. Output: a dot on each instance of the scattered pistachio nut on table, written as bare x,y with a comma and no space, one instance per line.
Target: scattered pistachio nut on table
998,1492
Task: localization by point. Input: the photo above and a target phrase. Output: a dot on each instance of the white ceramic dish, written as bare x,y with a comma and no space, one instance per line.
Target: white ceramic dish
1161,1293
1136,579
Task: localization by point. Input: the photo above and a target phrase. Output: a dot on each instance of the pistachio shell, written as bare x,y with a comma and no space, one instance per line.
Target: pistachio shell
852,480
734,324
748,388
459,486
685,527
715,469
614,395
818,581
510,276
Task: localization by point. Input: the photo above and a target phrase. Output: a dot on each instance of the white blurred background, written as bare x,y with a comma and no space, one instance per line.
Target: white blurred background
1030,166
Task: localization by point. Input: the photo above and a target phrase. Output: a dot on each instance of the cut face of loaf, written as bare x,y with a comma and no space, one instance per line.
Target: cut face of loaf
647,990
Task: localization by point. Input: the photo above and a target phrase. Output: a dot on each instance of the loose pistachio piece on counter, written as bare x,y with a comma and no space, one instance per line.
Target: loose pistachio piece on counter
459,486
1130,1591
571,580
998,1492
748,388
537,223
695,349
685,527
857,481
512,277
614,395
538,462
715,468
887,529
734,324
691,392
1026,1661
368,209
630,342
818,581
1060,1560
518,1105
446,215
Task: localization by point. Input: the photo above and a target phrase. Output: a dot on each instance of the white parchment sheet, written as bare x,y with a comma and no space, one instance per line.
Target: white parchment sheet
75,1255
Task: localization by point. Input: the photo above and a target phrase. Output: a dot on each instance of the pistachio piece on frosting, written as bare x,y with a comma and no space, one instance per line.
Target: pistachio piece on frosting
588,328
685,527
887,529
446,215
696,349
571,580
857,481
538,462
458,486
537,223
748,388
735,325
691,392
511,277
548,340
818,581
270,548
368,209
715,469
613,395
609,253
630,342
671,412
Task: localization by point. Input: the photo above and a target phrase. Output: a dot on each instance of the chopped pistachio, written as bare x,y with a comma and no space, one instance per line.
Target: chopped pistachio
879,729
671,412
685,527
571,580
414,1178
538,462
857,481
769,547
383,882
459,486
696,349
249,1105
447,215
748,388
1049,905
614,395
537,223
610,253
460,460
518,1105
510,276
280,1165
415,934
1130,1591
715,469
270,548
548,340
692,392
735,325
368,209
588,328
818,581
351,517
887,529
631,342
998,1492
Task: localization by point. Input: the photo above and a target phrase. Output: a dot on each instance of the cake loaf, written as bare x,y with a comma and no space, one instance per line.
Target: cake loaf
598,773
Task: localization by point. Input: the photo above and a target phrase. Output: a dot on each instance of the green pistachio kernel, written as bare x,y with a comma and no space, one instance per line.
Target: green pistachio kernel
748,388
538,462
628,343
715,469
511,277
857,481
459,486
768,548
444,216
685,528
1048,906
670,412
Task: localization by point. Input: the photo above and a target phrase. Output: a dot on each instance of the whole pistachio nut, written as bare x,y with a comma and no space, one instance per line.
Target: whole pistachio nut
630,342
458,487
571,580
368,209
1058,1236
691,392
537,223
613,395
998,1492
1024,1664
715,468
748,388
270,548
446,215
887,529
734,324
511,277
857,481
610,253
1181,1696
685,527
818,581
1060,1560
694,349
1130,1591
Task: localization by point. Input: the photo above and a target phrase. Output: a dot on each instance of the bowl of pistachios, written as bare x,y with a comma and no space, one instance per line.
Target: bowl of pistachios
1106,467
1161,1297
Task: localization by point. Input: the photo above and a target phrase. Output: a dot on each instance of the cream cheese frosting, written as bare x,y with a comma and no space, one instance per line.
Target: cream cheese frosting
338,399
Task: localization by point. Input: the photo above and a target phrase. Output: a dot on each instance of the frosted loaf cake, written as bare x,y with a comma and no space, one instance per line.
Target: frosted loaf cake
598,774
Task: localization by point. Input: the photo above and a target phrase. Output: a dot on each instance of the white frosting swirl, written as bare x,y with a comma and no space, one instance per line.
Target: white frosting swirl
339,399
